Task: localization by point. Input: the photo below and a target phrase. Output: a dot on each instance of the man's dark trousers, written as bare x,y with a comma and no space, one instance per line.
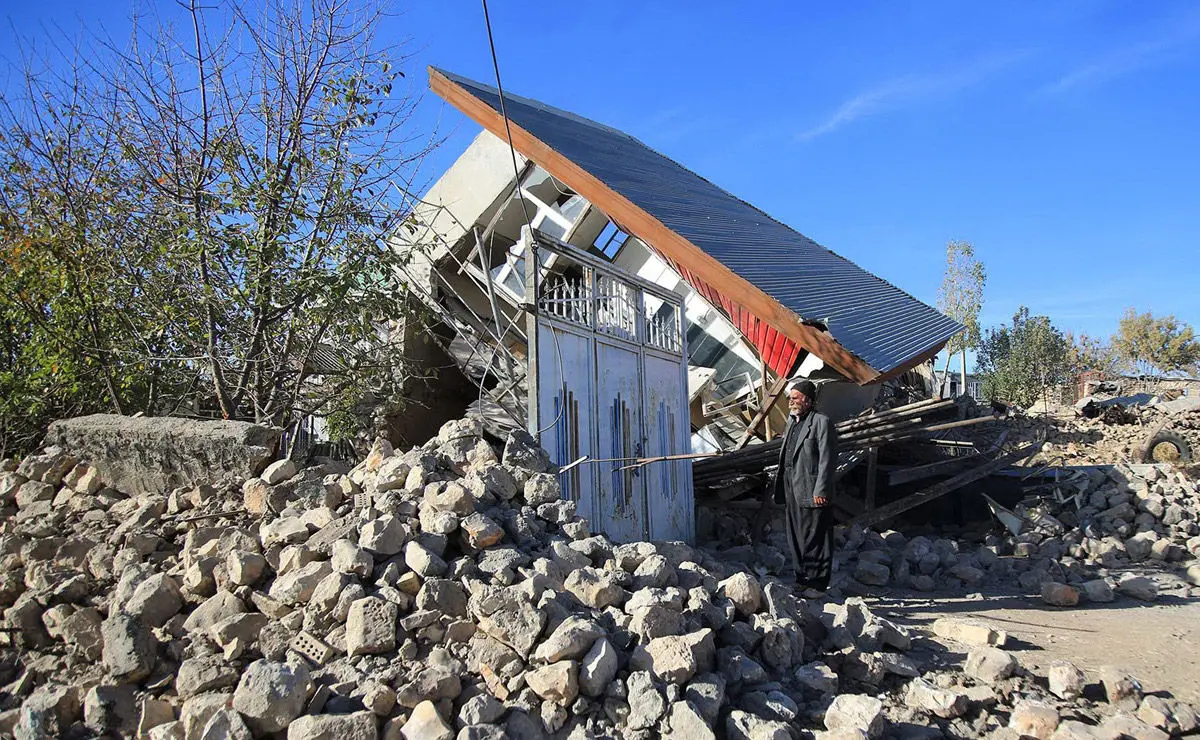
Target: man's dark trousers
807,460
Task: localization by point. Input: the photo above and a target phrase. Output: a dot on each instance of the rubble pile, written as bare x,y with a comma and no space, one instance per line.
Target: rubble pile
449,592
1116,435
1130,531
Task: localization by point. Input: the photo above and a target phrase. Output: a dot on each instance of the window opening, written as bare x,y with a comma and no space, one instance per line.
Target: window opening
610,241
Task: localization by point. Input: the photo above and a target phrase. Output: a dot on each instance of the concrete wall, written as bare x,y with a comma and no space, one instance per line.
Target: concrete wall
472,186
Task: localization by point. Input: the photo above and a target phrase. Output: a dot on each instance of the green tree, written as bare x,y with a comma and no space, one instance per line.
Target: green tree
961,298
1155,346
192,217
1087,353
1019,363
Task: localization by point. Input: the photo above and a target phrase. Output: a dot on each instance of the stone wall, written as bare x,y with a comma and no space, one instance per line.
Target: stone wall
139,455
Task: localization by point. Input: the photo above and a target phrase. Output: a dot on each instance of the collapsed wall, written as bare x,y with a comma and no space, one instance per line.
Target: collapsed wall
136,455
450,592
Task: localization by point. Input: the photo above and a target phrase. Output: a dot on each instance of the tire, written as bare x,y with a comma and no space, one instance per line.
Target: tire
1167,446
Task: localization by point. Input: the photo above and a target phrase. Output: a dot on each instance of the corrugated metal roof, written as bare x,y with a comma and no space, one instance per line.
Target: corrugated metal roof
870,317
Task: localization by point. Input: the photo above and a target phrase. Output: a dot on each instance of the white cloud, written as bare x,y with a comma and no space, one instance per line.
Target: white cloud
910,90
1131,57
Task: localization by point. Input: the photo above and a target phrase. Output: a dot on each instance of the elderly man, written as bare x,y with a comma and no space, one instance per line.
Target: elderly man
805,484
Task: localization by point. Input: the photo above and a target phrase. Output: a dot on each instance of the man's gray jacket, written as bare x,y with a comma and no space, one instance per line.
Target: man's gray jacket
807,461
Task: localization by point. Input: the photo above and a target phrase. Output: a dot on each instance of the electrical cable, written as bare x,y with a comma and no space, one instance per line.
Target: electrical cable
530,290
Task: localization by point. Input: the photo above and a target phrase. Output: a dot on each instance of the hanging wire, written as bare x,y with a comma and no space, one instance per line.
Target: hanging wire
530,290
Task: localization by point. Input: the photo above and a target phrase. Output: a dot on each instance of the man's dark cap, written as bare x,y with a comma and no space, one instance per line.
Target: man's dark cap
807,387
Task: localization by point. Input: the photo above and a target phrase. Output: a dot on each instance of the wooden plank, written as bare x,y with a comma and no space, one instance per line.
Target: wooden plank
883,513
656,234
872,473
772,397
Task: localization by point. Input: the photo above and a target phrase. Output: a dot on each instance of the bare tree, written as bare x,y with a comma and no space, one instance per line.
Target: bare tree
961,298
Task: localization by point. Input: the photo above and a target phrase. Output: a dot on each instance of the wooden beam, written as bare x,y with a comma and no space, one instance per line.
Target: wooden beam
656,234
772,397
872,472
884,513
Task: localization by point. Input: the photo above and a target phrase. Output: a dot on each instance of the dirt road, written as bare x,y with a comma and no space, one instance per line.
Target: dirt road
1158,643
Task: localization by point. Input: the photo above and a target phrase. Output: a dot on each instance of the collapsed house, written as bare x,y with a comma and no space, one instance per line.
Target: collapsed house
587,283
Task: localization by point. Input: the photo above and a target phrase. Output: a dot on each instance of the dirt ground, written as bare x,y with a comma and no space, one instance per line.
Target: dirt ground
1158,643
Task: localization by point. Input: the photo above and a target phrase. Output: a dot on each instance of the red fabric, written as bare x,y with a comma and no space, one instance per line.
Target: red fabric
778,351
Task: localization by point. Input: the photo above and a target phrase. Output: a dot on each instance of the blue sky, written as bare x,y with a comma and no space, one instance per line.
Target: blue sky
1061,139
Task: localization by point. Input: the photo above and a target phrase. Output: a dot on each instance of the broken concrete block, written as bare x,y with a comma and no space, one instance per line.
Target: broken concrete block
557,682
203,674
675,659
570,640
423,561
348,557
219,606
968,632
371,626
278,471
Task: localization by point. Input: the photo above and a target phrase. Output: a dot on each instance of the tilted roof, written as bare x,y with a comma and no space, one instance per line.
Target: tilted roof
882,328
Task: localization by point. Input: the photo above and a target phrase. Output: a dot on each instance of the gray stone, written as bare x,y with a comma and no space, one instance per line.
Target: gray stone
203,674
850,712
297,586
278,471
945,703
595,588
743,590
270,695
225,724
598,668
570,640
557,682
481,709
425,724
129,647
686,723
355,726
383,536
139,455
216,608
1066,681
1097,591
989,664
1034,719
676,658
646,703
542,488
423,561
818,677
434,682
1138,587
742,725
872,574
